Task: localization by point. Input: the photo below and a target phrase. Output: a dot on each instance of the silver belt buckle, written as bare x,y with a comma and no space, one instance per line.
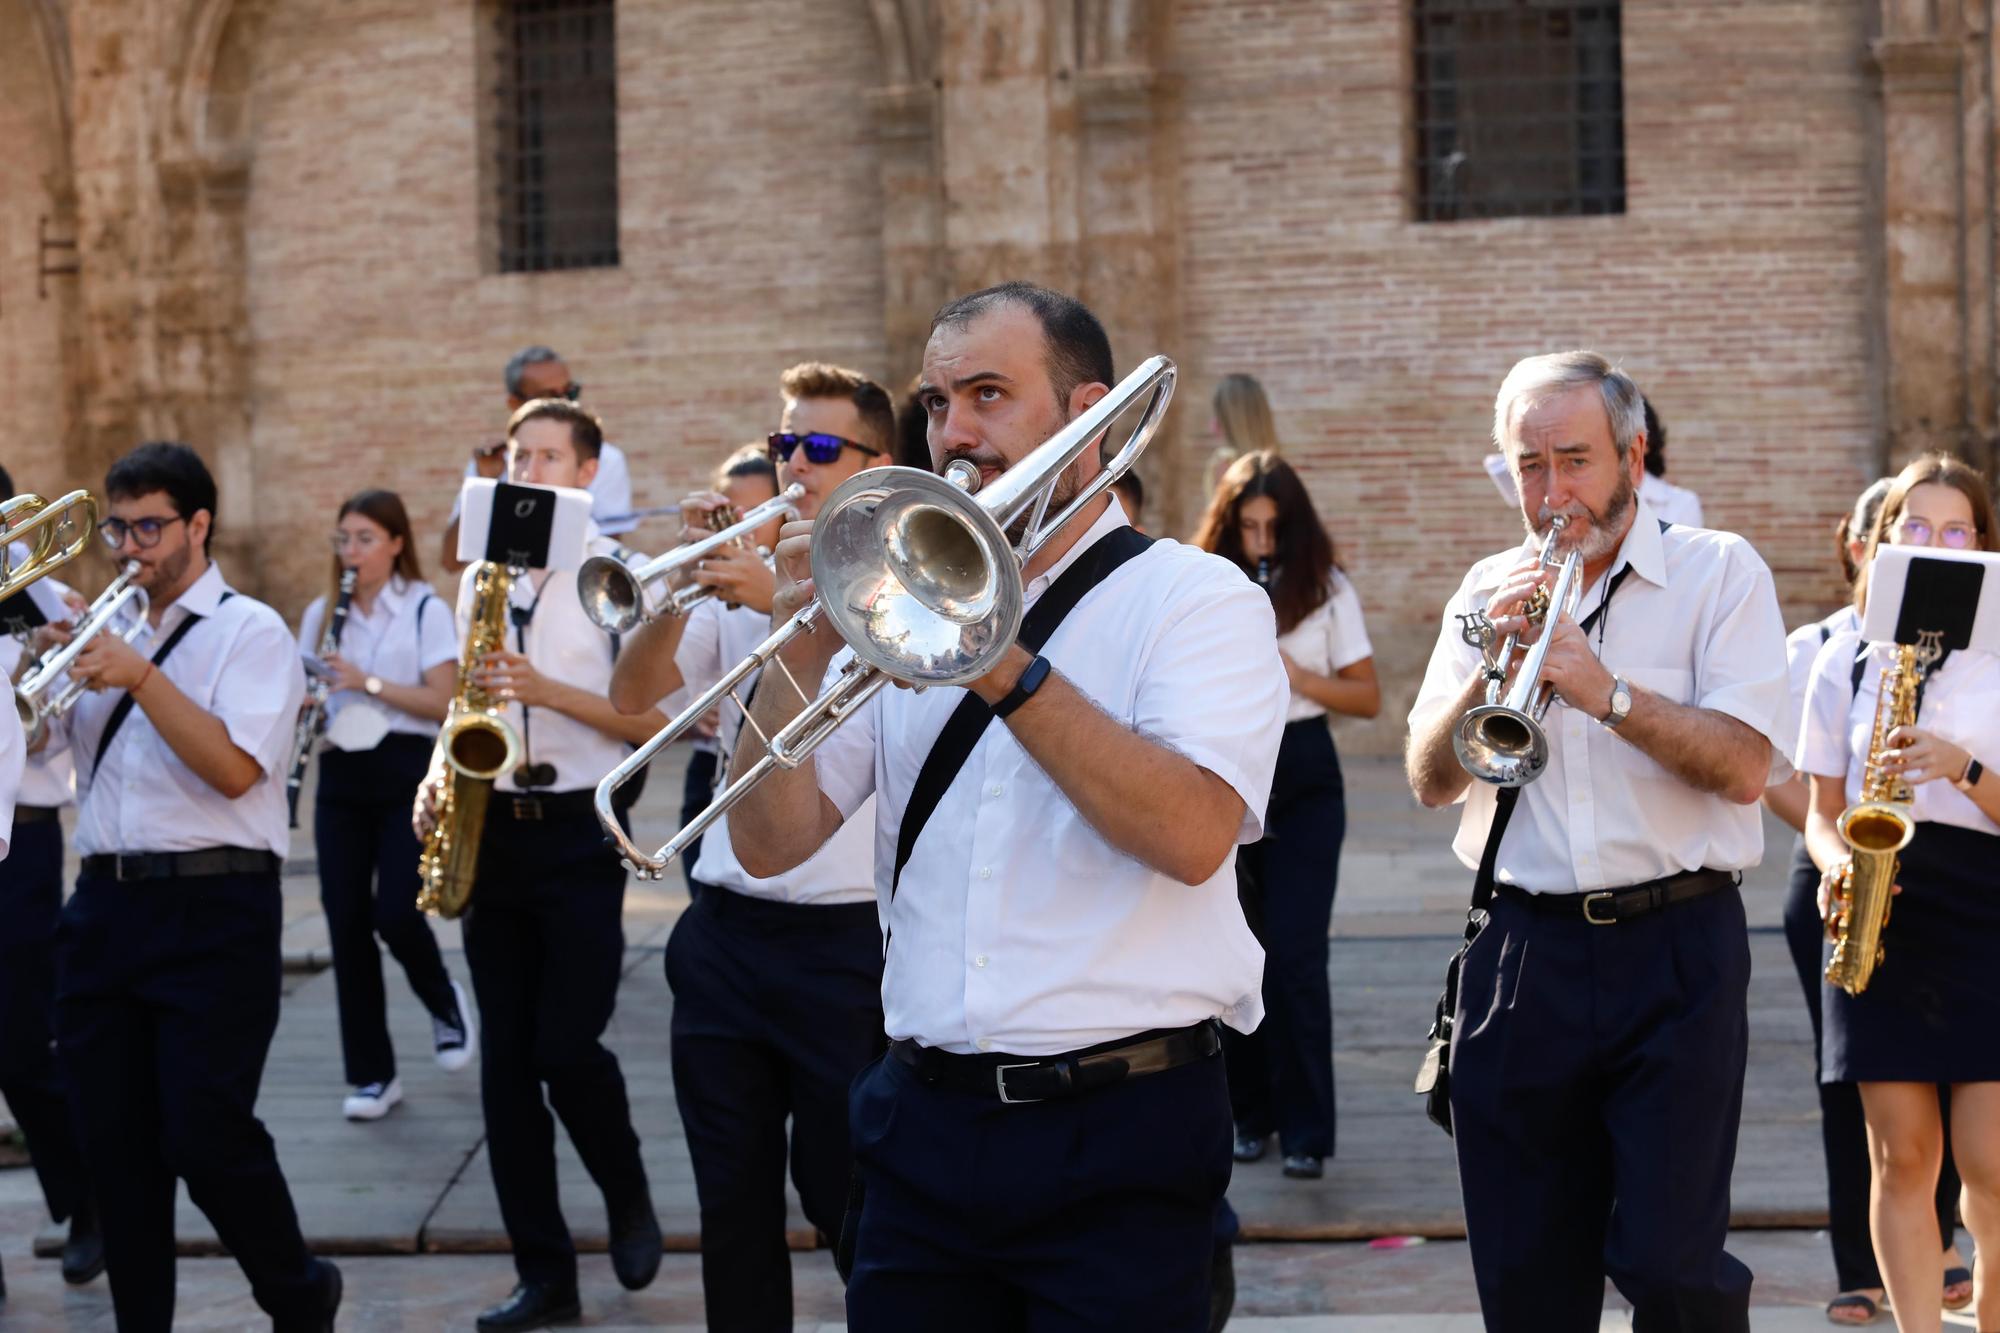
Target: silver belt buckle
1000,1083
1603,895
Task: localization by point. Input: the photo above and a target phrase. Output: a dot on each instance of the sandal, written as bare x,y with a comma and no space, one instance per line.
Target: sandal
1853,1300
1957,1277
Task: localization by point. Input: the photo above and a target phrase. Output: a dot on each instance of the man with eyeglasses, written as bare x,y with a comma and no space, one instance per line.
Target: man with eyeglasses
777,981
167,953
540,372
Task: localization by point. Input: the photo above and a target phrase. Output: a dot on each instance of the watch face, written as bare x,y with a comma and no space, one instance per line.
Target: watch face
1621,700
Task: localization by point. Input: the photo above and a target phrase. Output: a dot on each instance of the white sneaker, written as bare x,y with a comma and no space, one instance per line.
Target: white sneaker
371,1101
456,1043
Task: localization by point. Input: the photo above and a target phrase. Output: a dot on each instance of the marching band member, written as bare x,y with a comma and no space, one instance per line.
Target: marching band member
1843,1132
1929,1013
544,936
167,953
777,981
1065,931
393,672
1675,504
31,872
1281,1076
1599,1043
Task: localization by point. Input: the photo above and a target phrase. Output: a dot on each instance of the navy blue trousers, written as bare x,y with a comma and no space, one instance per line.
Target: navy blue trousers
546,948
776,1008
1842,1127
697,789
166,1005
368,888
1281,1075
1096,1212
1596,1085
30,903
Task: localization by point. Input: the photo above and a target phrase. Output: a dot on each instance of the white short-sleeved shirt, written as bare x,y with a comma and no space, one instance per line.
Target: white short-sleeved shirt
563,644
1017,927
610,491
843,871
1675,504
408,631
1961,704
241,664
46,778
1802,647
1696,622
13,756
1332,636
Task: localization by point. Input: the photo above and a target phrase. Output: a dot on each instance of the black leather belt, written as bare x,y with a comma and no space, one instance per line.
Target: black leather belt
128,866
1607,907
541,807
37,814
1013,1078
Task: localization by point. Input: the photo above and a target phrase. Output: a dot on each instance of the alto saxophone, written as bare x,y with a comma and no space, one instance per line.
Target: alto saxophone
1876,828
476,745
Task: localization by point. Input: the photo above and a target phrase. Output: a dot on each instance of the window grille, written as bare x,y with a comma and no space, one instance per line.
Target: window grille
557,140
1520,109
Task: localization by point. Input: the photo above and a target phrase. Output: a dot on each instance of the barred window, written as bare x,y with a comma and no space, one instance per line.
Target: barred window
1520,109
557,135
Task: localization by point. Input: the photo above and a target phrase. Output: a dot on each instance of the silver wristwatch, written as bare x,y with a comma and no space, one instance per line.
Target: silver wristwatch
373,685
1621,702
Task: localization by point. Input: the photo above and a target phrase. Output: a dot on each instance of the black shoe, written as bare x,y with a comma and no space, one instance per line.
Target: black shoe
1251,1147
635,1242
320,1319
1302,1166
1221,1286
83,1253
533,1305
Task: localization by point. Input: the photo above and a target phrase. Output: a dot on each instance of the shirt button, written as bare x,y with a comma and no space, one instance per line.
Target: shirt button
979,961
986,872
996,789
985,1044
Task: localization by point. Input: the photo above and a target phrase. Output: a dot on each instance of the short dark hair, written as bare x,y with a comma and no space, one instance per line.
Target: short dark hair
748,460
6,484
1656,440
1078,349
176,470
913,430
586,432
819,379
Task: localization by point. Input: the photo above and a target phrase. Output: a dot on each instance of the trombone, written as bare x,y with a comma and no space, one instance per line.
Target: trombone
46,522
1502,741
113,602
614,594
919,576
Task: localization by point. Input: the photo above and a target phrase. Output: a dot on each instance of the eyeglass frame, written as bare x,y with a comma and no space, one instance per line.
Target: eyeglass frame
1971,531
774,445
131,529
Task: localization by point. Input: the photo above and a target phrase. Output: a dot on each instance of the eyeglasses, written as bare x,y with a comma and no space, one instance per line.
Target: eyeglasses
1917,532
820,448
364,541
144,532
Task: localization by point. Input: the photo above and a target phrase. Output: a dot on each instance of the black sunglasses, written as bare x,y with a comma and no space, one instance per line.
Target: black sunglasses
820,448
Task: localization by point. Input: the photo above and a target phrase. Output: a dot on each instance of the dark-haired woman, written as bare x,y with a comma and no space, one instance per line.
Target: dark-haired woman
1930,1012
1281,1076
392,675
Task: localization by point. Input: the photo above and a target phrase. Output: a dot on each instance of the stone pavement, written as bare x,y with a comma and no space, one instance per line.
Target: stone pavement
418,1182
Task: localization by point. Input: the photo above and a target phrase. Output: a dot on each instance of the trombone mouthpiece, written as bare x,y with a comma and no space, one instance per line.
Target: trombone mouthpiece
962,473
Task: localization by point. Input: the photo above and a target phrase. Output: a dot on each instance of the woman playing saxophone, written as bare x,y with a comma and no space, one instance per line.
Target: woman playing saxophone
1927,1013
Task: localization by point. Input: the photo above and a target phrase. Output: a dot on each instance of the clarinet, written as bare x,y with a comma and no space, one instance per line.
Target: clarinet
1263,574
312,717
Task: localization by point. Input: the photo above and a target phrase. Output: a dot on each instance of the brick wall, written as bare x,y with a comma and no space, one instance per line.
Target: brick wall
31,328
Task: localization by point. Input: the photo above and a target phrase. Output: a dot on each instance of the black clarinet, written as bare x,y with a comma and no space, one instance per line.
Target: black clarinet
312,717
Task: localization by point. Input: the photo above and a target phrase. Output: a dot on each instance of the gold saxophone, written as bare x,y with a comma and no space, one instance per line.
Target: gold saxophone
1875,829
477,746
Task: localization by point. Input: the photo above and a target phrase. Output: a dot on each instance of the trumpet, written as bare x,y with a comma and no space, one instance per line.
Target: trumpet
31,698
1502,741
918,575
614,594
46,523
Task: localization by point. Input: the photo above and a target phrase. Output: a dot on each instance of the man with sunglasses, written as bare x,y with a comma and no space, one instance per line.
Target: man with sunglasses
540,372
776,981
167,953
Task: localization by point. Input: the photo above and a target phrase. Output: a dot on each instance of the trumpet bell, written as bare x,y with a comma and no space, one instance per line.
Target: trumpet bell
611,594
1501,745
916,576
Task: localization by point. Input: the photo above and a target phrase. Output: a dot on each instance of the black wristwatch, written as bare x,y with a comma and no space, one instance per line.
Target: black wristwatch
1024,688
1974,770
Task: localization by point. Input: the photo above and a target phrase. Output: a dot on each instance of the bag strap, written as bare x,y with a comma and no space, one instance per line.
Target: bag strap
123,708
968,721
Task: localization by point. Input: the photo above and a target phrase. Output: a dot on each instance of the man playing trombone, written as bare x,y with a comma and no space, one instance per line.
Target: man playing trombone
777,981
1596,1070
1049,1132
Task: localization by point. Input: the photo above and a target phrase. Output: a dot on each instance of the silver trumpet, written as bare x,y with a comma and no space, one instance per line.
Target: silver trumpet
1501,741
32,699
614,594
916,574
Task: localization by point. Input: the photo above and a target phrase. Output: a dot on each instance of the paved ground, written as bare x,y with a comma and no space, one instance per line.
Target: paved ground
416,1185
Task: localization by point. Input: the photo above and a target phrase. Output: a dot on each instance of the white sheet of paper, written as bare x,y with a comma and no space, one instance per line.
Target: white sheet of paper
1890,574
567,538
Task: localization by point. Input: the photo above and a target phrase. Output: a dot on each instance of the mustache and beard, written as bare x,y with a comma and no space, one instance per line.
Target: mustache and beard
1605,528
1067,486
